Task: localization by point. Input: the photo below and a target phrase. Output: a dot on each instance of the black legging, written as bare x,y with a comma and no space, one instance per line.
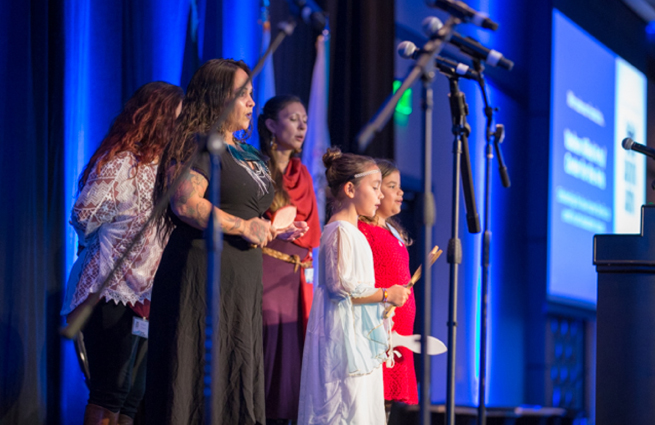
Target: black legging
117,359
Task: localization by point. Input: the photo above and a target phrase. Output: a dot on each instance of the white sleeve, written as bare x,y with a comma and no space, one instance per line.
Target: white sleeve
339,269
342,279
98,201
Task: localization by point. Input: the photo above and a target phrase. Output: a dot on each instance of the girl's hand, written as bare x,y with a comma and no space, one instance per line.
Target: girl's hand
293,232
397,295
257,231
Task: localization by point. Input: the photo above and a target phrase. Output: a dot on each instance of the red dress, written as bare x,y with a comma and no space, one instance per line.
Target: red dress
391,262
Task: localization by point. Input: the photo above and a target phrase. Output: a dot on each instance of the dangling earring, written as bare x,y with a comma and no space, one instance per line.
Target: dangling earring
273,143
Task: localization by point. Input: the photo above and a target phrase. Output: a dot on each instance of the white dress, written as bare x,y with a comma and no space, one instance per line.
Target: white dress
346,344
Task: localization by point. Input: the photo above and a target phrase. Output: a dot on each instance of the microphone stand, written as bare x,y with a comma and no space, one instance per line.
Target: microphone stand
215,145
462,167
424,68
432,48
461,171
429,215
498,136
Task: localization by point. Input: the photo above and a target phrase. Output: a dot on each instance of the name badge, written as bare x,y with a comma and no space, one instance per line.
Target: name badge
309,276
140,327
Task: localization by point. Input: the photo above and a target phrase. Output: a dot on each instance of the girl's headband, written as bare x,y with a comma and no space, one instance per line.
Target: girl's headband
365,173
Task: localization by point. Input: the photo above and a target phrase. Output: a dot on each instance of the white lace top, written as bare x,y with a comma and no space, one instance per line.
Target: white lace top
109,212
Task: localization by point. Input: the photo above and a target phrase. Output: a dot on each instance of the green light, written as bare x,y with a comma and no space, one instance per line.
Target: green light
404,105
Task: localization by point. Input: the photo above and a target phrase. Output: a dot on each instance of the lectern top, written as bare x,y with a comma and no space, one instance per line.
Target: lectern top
637,250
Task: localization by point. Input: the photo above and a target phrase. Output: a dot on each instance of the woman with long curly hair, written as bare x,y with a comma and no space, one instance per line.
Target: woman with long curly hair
176,375
114,202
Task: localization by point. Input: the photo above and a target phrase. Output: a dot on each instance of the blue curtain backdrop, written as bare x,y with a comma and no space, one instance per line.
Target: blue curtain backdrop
67,69
31,249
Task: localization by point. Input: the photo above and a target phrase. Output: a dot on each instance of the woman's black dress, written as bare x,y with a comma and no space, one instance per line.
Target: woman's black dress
174,388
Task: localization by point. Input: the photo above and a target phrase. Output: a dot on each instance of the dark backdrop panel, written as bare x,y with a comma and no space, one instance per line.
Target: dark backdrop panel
293,62
31,257
361,69
614,24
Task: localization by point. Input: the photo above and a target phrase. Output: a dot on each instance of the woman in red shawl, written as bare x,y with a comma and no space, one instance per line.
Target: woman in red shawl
388,242
287,265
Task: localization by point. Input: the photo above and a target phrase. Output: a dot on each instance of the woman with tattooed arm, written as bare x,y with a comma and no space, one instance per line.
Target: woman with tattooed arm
174,393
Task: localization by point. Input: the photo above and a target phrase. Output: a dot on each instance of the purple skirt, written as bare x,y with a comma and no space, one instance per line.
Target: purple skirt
283,332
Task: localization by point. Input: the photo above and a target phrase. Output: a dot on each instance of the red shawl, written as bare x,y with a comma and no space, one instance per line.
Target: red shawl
298,184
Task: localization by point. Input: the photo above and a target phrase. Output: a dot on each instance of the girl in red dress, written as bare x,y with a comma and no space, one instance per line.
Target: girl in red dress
388,242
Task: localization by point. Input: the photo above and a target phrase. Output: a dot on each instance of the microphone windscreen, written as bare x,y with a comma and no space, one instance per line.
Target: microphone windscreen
431,26
406,49
627,143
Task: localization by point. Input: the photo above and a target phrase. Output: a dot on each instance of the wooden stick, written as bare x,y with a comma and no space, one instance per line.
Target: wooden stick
434,254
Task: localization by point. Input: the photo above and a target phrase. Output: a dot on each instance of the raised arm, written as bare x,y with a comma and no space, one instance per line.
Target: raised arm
189,204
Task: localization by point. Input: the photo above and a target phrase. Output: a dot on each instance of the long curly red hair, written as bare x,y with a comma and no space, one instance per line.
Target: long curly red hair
144,127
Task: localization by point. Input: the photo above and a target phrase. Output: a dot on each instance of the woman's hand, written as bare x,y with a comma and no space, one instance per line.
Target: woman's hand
293,232
257,231
397,295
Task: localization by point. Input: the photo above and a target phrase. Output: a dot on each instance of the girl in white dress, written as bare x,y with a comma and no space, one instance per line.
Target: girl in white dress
347,341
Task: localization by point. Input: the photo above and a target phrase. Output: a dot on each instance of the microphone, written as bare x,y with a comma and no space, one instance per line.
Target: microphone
462,11
456,69
629,144
468,45
408,50
310,12
499,136
474,49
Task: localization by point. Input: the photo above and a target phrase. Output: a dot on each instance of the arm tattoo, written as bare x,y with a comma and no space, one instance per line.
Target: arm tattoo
202,207
184,191
203,213
258,231
191,184
199,183
231,224
191,212
188,202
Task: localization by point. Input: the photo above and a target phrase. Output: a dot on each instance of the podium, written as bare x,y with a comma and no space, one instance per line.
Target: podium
625,348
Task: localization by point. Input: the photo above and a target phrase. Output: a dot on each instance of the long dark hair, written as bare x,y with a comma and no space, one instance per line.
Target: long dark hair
386,168
271,110
209,91
143,127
